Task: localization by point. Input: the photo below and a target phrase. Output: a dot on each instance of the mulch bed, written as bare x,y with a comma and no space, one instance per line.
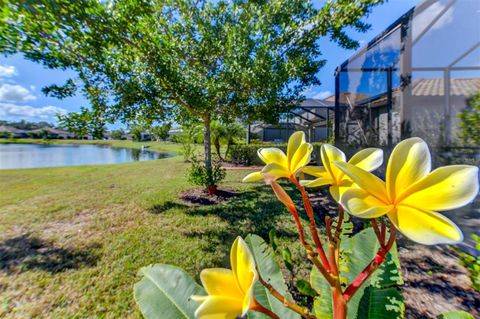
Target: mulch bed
200,197
435,282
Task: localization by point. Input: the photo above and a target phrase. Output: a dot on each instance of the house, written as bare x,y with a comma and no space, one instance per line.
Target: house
313,116
53,133
8,131
412,79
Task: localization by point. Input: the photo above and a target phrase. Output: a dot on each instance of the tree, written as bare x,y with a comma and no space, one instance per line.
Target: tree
83,123
117,134
147,60
161,132
470,122
225,133
136,130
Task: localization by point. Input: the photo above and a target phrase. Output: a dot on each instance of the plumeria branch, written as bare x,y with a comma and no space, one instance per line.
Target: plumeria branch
302,311
372,266
313,226
288,202
259,308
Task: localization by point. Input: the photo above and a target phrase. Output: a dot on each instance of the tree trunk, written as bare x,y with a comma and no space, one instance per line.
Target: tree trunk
216,142
227,150
207,143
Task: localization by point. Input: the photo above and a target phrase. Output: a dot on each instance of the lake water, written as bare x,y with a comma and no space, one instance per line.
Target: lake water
38,155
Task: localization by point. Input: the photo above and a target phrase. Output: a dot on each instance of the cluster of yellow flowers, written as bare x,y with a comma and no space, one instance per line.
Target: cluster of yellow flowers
411,196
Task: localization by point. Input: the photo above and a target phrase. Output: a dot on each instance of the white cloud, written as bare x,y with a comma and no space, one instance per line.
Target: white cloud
423,19
14,93
13,111
322,95
7,71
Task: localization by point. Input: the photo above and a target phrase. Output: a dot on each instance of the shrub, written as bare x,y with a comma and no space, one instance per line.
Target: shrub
472,264
199,175
246,155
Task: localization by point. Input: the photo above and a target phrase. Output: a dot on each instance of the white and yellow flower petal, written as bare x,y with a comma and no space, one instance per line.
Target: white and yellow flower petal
316,171
272,155
301,157
220,281
409,162
425,227
321,181
337,190
275,170
294,142
219,307
365,180
362,204
445,188
368,159
330,154
253,177
243,265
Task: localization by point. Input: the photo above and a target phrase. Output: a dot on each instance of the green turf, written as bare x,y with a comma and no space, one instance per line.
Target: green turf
73,238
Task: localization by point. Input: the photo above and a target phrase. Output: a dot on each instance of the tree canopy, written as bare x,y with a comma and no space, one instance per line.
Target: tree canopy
143,61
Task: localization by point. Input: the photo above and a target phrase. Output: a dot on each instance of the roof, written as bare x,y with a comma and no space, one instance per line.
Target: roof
12,130
52,131
317,102
434,87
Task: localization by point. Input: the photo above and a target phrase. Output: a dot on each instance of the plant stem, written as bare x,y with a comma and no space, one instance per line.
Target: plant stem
371,267
302,311
339,304
313,226
339,224
258,307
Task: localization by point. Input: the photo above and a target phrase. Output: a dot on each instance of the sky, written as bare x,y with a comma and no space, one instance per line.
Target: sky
21,80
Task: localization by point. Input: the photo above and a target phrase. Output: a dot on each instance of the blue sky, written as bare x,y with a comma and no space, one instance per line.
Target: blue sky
21,80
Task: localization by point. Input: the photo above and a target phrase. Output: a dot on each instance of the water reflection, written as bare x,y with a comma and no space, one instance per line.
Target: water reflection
34,155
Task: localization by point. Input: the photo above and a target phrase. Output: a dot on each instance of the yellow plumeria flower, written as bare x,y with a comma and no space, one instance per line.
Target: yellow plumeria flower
412,195
280,165
230,292
368,159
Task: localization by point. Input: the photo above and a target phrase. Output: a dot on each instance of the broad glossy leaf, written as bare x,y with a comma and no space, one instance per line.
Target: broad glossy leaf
357,252
270,271
377,303
456,315
164,292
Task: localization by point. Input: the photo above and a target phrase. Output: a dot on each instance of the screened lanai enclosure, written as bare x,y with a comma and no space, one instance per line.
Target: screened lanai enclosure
413,79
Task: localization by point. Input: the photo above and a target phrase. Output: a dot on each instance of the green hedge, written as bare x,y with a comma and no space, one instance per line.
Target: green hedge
246,155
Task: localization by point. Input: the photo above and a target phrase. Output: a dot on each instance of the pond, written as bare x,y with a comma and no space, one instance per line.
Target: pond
51,155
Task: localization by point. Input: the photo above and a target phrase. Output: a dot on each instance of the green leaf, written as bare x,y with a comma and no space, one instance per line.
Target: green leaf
287,258
270,272
379,303
272,234
456,315
305,288
356,252
322,305
164,292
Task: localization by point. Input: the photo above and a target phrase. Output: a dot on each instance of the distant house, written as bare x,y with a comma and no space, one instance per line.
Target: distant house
52,133
313,116
8,131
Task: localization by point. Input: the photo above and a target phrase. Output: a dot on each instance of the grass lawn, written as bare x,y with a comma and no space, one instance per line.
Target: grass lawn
73,238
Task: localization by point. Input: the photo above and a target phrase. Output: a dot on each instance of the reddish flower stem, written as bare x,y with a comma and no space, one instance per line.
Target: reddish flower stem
328,225
313,226
381,239
371,267
258,307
